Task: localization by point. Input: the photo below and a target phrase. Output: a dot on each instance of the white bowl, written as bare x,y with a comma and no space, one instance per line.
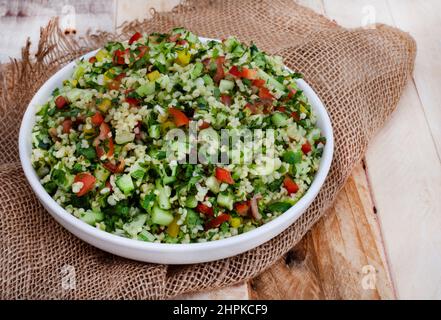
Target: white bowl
162,252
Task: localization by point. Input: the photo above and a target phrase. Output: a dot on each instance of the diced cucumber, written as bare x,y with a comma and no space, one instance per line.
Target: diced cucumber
168,180
101,174
92,217
279,206
137,172
192,38
279,119
193,219
208,80
230,44
135,226
179,30
125,184
62,178
191,202
79,72
213,184
155,131
273,82
144,235
146,89
197,70
238,51
225,200
161,217
226,85
164,197
292,157
148,201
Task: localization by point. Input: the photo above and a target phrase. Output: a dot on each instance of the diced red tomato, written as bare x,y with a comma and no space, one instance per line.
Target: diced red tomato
181,42
291,93
100,151
174,37
258,83
306,148
216,222
202,208
204,125
97,119
264,94
220,74
132,101
115,167
119,56
67,125
248,73
179,117
295,116
290,185
206,62
113,85
142,51
252,108
61,102
226,99
121,76
104,131
116,82
92,59
242,208
281,109
104,140
88,181
235,71
223,175
135,37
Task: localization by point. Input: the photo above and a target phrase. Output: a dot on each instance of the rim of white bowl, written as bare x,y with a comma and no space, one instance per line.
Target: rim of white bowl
25,149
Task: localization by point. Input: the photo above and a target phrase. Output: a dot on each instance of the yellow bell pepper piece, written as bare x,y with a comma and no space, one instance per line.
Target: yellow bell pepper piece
101,55
108,75
173,228
153,75
303,109
104,105
183,58
88,132
235,222
167,124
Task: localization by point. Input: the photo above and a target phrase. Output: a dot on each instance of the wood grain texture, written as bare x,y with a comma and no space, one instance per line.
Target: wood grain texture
422,19
403,160
342,256
22,19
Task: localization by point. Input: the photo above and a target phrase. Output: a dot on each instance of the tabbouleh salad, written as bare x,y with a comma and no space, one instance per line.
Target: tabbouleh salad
99,143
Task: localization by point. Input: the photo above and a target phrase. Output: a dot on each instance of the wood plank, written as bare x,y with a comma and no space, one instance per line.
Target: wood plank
404,154
342,256
405,174
20,20
237,292
423,20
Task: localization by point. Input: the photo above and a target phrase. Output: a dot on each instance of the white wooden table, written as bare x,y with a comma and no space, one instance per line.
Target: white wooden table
389,214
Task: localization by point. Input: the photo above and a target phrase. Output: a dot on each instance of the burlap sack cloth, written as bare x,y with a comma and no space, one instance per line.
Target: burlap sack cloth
359,75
